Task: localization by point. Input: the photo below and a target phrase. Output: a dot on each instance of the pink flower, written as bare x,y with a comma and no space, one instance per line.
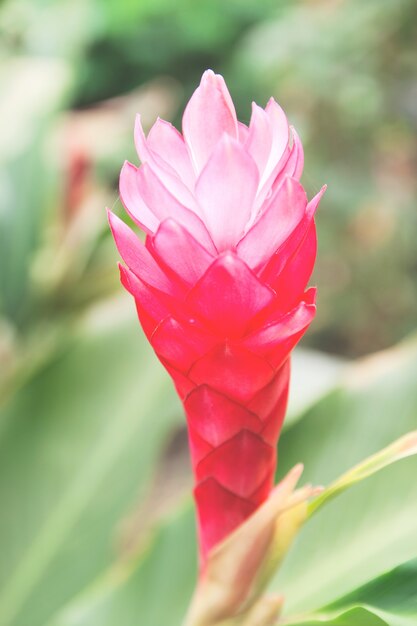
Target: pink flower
220,285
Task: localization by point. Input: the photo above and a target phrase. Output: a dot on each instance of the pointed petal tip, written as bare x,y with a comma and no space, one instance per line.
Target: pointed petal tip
310,297
122,271
294,134
116,225
273,104
291,479
112,219
289,482
140,139
291,185
297,470
126,168
315,201
210,79
119,229
125,165
161,122
207,74
124,277
231,262
138,128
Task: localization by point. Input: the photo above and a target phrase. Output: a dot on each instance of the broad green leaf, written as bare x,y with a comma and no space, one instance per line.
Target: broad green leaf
313,375
353,616
153,589
78,446
400,449
389,600
358,536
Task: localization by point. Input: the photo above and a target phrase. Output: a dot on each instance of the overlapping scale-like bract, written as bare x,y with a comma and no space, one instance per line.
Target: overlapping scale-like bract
219,285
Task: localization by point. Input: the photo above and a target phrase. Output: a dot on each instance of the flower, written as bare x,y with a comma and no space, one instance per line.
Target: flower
219,285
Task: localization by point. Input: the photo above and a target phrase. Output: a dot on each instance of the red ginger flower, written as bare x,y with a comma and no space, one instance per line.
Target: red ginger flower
219,285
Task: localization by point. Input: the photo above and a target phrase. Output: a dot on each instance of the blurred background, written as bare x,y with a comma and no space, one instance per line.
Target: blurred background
73,365
74,73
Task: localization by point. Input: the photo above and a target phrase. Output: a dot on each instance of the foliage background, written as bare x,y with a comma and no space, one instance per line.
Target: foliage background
92,448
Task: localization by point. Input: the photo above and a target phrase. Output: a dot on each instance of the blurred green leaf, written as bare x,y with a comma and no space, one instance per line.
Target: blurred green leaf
33,89
402,448
78,446
154,589
313,375
389,600
360,535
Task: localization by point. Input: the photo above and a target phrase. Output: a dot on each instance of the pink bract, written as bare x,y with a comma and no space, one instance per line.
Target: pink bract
220,283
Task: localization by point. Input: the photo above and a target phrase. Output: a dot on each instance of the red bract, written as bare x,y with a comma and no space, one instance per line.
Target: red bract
220,285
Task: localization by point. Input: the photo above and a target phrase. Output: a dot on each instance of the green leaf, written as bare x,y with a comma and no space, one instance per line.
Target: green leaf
25,188
353,616
153,589
78,446
401,449
313,375
389,600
